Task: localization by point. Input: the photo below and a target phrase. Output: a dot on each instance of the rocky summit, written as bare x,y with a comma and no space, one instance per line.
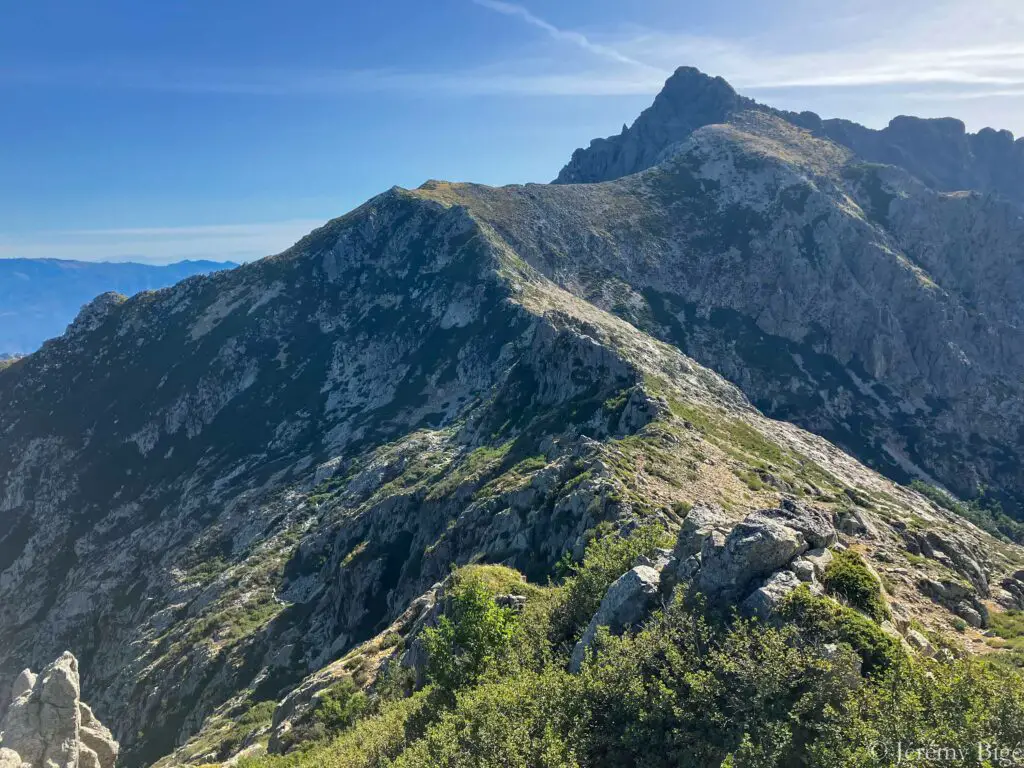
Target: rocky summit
736,362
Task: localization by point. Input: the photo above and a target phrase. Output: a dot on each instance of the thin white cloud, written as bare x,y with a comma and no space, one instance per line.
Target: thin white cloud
933,49
158,245
575,38
542,78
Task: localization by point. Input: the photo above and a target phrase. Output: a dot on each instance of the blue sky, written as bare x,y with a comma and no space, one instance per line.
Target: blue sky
224,129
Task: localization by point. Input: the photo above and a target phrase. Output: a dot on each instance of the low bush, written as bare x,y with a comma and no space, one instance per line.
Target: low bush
847,577
821,620
607,557
473,634
681,690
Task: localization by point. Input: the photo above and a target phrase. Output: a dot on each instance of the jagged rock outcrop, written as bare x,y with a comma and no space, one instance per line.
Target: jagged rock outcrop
689,100
940,152
627,601
48,726
753,550
92,315
766,599
700,522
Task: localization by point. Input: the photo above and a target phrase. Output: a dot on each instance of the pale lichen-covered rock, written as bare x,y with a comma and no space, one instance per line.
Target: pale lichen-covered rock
700,522
819,560
817,526
11,759
803,569
751,551
766,599
96,740
919,643
48,726
626,602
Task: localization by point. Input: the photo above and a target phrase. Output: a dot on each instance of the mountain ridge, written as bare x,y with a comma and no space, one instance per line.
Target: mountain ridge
228,496
939,151
39,297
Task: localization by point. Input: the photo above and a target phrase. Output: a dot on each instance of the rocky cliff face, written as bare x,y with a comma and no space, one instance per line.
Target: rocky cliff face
845,296
47,725
939,152
222,494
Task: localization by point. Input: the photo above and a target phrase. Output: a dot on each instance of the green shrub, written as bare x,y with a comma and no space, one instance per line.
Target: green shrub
607,557
685,692
848,577
373,742
340,705
514,721
472,635
681,690
822,620
956,706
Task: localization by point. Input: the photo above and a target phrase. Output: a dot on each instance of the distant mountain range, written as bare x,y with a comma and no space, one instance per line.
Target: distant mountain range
39,297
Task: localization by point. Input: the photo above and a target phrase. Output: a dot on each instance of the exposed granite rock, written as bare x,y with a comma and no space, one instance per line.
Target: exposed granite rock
766,599
701,521
919,643
48,726
855,523
754,549
626,602
819,560
804,570
817,527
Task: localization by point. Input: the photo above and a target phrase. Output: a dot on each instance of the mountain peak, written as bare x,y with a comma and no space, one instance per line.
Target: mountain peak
938,151
689,100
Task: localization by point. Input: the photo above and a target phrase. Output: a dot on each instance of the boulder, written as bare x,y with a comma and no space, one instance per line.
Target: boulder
970,614
701,521
659,560
855,523
817,527
819,559
764,601
48,726
627,601
803,569
514,602
97,740
753,550
10,759
920,643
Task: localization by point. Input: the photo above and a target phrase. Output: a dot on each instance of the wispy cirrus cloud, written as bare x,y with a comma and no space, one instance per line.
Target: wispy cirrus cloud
576,39
537,78
938,48
222,242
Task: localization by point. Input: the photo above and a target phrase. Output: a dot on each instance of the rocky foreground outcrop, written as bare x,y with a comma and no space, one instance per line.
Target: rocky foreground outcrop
47,725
